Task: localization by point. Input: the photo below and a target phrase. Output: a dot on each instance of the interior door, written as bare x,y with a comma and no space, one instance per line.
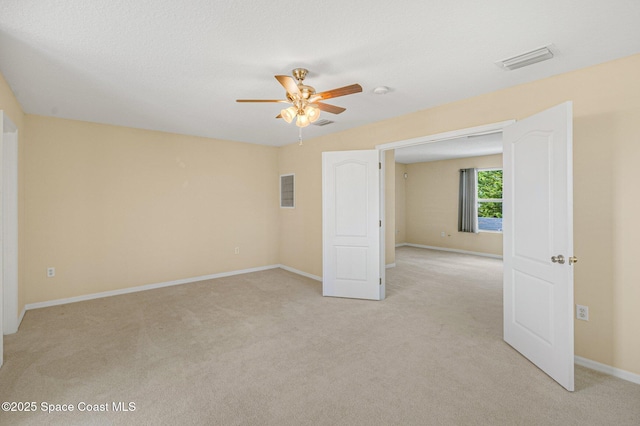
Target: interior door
538,241
2,119
351,225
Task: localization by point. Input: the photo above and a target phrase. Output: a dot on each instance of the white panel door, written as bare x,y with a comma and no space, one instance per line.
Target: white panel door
538,241
2,289
351,225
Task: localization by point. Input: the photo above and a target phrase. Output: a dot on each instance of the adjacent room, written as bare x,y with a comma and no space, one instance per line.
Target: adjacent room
427,193
196,196
427,220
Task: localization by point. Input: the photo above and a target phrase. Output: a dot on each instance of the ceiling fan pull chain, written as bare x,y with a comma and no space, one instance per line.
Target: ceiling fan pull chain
300,135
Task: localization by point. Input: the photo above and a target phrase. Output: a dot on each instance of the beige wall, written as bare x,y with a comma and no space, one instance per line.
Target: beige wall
401,215
606,152
432,206
9,104
112,207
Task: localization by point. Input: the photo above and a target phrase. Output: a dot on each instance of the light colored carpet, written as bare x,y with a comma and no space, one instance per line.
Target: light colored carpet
267,349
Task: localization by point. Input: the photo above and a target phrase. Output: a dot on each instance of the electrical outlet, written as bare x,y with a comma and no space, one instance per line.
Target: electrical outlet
442,234
237,250
51,272
582,312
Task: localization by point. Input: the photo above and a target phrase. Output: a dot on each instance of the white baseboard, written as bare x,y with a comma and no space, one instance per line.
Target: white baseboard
607,369
299,272
390,265
401,245
475,253
92,296
21,317
18,322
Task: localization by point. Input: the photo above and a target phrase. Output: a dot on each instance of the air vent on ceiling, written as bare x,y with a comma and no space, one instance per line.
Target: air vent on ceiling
322,122
538,55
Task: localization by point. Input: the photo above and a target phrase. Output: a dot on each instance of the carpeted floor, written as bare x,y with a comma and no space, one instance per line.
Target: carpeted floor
267,349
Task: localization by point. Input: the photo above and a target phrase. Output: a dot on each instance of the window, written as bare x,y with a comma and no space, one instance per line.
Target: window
490,200
287,193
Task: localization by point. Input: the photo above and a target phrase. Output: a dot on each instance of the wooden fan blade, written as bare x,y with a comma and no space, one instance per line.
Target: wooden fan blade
342,91
330,108
289,84
279,116
262,100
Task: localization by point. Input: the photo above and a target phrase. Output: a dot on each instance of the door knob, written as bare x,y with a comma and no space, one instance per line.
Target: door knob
573,260
558,259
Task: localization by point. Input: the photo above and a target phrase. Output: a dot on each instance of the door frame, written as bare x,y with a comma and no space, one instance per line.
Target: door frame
9,320
437,137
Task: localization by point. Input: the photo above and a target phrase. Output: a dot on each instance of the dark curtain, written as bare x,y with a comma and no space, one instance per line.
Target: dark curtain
467,211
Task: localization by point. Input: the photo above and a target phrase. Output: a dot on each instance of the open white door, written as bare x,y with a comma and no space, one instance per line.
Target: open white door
351,225
538,241
2,289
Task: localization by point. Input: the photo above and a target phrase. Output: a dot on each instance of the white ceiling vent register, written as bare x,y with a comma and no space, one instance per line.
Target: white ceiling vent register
322,122
538,55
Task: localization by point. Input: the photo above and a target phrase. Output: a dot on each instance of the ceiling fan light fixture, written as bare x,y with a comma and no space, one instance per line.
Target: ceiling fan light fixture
288,114
312,112
302,121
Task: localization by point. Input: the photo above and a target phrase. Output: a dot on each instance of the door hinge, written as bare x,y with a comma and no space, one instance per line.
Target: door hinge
380,224
380,166
380,281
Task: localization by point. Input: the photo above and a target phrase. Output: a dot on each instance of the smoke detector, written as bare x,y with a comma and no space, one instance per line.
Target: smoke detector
381,90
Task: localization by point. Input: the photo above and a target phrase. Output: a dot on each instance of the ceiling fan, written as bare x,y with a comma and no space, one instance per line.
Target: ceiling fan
305,102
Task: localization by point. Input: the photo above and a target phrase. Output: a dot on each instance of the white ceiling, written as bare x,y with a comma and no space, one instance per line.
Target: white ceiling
179,66
469,146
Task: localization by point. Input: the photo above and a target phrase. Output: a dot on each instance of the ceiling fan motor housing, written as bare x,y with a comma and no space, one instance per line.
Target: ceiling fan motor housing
299,74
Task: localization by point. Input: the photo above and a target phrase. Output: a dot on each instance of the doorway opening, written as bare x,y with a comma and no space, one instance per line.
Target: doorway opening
475,142
538,226
538,230
428,195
